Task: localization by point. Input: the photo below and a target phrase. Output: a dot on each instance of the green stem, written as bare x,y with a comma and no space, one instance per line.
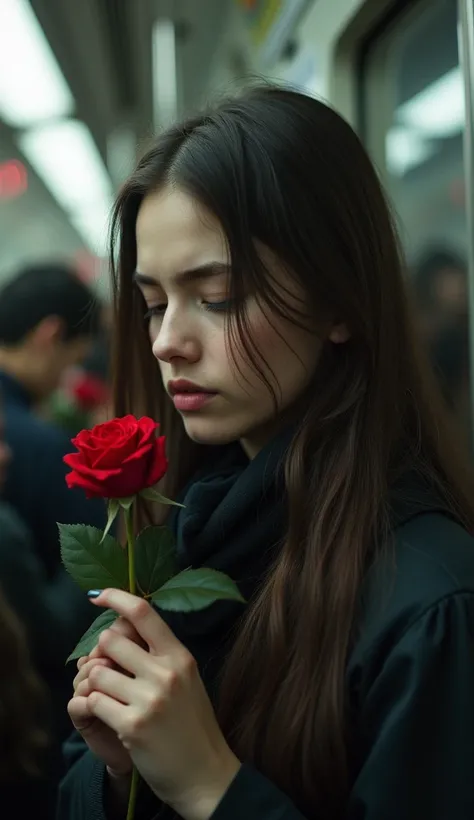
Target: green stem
131,551
132,588
133,795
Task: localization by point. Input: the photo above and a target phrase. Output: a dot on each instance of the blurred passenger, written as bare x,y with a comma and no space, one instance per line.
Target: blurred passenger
97,361
47,319
449,354
81,398
25,790
440,286
50,606
440,282
97,365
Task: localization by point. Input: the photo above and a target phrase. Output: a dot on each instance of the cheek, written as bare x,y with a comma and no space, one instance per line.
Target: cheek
290,353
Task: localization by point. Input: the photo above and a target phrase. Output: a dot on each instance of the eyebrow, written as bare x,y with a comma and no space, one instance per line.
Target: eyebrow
206,271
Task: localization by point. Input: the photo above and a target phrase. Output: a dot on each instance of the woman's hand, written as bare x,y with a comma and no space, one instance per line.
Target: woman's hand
160,710
100,738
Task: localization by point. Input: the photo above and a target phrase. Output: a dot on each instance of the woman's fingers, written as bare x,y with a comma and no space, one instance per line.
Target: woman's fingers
116,685
126,655
96,657
125,628
151,628
122,627
83,689
80,714
85,669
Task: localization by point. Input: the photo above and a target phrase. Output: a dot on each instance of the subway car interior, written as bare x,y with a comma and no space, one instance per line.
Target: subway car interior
86,84
101,76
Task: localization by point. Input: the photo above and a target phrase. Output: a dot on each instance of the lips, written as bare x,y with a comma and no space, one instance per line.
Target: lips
189,397
180,386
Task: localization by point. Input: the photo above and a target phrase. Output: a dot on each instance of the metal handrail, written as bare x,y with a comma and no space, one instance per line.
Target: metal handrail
466,50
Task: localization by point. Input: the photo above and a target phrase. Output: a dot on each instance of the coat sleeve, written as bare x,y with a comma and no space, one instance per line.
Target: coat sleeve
417,745
419,719
83,790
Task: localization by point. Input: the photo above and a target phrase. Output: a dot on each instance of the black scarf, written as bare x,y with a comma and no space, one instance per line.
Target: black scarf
233,521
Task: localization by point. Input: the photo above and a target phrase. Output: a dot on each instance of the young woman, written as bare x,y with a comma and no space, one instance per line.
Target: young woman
262,318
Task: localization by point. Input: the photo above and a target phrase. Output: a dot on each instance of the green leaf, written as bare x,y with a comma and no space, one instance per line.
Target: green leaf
90,638
195,589
155,558
93,563
153,495
113,508
126,503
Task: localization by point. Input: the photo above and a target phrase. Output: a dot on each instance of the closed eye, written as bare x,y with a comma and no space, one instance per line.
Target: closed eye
223,306
156,310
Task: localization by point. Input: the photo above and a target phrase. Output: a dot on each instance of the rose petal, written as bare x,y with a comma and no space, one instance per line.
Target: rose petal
74,480
141,453
159,463
117,458
118,483
112,456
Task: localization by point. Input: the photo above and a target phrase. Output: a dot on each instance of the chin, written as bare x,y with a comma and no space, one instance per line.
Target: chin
218,432
210,437
212,431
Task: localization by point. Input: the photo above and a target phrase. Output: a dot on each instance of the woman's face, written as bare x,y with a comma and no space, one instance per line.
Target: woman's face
183,273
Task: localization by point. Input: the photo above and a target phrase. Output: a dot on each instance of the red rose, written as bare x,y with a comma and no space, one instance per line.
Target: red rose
89,392
117,459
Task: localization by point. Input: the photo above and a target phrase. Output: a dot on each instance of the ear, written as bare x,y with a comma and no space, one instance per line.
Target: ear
48,331
339,334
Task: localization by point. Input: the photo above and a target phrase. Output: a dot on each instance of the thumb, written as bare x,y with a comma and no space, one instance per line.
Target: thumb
80,714
125,628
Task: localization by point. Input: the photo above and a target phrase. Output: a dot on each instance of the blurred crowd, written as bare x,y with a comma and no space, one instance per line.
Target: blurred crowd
54,381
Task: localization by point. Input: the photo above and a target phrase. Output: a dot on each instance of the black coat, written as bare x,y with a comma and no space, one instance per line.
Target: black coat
410,674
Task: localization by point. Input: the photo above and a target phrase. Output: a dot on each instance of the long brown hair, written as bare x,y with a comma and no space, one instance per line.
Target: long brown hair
284,169
23,737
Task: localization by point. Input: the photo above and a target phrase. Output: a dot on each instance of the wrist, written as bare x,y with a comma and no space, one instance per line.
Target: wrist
201,802
118,788
116,775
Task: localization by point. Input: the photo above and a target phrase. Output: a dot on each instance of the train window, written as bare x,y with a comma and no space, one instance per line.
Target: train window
413,119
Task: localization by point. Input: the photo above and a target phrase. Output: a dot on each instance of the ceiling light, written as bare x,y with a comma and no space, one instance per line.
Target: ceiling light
405,149
438,110
165,92
32,87
66,158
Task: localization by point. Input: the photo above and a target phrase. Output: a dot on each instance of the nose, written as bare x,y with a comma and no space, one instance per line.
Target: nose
176,338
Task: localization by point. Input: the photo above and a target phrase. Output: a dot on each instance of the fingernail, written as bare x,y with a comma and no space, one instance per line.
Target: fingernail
94,593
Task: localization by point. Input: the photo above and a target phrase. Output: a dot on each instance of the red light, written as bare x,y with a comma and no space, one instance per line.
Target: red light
13,179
